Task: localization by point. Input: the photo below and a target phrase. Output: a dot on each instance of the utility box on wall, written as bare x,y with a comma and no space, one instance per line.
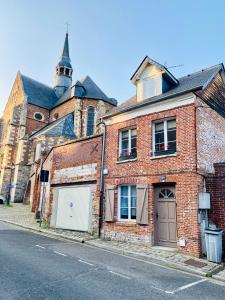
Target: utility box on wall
204,200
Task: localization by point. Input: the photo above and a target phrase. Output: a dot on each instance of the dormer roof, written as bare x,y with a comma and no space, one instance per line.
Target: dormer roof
149,61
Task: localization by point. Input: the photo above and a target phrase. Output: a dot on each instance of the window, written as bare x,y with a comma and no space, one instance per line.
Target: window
67,72
90,121
39,116
128,144
56,116
37,152
164,137
127,202
166,193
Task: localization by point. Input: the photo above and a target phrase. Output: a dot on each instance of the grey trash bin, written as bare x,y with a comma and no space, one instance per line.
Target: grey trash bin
213,241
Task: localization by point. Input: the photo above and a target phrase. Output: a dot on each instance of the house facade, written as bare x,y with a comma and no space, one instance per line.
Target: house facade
161,145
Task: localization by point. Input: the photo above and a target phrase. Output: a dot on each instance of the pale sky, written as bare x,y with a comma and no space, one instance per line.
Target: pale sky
108,39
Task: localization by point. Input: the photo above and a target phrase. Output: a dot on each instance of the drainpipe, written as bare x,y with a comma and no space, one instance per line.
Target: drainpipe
101,202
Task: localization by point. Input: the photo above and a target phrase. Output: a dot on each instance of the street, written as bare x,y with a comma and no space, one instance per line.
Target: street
33,266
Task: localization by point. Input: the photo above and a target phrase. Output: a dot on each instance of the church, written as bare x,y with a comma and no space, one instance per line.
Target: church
38,117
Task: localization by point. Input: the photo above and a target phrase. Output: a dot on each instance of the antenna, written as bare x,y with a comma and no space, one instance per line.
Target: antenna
176,66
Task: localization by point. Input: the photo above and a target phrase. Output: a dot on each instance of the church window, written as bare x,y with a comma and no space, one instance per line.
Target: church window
56,116
39,116
61,71
90,120
67,72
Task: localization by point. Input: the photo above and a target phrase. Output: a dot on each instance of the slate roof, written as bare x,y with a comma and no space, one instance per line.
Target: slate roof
85,88
65,58
186,84
44,96
60,127
38,93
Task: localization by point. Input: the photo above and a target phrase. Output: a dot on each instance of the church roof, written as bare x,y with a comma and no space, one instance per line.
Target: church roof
65,58
38,93
60,127
85,88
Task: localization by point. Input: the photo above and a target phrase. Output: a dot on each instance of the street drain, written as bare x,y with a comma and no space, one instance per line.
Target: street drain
195,263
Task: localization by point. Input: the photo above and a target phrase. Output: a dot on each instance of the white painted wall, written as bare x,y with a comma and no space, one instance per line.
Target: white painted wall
149,83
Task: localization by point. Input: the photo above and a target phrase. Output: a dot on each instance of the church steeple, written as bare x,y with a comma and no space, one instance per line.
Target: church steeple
64,70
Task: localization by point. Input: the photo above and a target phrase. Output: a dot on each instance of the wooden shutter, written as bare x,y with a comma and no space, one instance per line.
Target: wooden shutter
142,204
109,203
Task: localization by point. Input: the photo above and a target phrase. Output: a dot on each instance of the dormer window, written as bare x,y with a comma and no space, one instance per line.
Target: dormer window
152,79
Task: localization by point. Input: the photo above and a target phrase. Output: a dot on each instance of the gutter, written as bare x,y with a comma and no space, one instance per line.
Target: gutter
139,105
101,202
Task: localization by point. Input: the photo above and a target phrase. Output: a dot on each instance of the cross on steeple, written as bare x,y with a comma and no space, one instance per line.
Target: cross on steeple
67,27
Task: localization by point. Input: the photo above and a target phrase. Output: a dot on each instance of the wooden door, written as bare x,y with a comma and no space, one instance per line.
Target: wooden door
165,216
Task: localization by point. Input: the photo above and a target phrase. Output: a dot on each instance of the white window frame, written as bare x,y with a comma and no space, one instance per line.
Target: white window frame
165,134
38,112
129,140
129,203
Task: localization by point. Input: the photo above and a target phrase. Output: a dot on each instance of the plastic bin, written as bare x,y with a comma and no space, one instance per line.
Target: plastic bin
213,240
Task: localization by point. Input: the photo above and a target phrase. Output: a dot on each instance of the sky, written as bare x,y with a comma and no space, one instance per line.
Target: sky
108,39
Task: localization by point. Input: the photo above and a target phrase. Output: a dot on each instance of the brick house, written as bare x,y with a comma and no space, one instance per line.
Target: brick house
161,145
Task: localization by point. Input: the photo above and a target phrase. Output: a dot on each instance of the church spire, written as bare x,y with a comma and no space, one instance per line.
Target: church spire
65,52
64,70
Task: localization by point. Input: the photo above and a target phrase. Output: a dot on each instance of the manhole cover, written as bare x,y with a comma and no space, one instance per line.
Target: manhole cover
195,263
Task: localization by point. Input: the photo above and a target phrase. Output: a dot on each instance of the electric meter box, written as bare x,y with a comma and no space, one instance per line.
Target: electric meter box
204,200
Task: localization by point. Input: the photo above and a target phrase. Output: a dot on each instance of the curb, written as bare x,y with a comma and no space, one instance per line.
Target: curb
158,261
127,253
45,232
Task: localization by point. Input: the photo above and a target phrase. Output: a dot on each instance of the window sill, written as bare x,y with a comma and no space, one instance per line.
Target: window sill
163,156
128,222
126,160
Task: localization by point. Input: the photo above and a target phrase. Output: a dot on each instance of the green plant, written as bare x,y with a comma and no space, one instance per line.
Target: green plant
45,224
5,205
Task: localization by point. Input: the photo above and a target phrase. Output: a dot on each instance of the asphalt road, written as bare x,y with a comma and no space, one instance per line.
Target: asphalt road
33,266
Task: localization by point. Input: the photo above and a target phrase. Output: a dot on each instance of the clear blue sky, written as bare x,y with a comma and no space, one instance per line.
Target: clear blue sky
108,39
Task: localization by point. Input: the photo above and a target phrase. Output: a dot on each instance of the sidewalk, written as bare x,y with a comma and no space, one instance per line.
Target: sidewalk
21,215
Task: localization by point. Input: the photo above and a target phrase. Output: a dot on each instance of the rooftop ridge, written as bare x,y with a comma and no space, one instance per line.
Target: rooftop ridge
202,70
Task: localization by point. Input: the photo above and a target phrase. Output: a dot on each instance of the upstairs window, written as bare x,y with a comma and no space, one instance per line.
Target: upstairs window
128,144
90,121
127,202
164,137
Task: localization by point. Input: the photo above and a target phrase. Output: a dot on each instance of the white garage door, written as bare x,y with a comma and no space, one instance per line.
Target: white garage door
73,210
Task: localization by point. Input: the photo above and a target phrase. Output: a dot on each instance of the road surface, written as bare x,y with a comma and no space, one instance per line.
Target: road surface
33,266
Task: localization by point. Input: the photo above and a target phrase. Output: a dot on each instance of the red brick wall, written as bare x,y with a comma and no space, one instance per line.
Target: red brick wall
63,109
179,169
77,153
32,124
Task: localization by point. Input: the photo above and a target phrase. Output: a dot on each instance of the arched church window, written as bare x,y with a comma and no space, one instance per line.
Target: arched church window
61,71
166,193
38,116
90,120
